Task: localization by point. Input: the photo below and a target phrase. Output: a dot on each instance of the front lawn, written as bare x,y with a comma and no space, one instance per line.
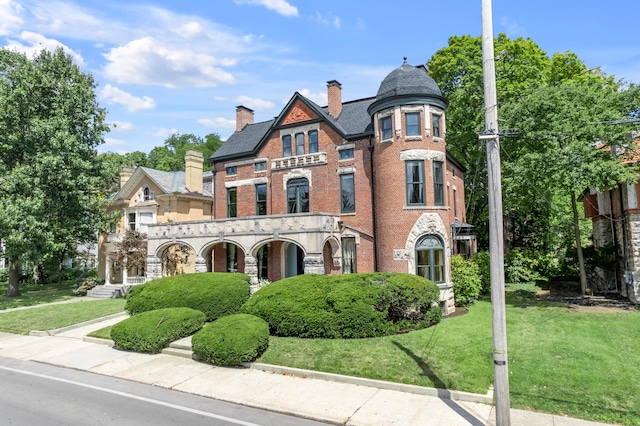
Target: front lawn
35,294
576,364
57,316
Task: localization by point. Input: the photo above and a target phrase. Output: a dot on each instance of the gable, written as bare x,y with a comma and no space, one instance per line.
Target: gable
298,113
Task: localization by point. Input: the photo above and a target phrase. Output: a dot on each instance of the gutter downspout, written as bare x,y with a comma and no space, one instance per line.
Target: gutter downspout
373,204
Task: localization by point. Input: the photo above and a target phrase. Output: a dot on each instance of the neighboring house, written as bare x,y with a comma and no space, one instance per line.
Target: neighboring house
149,196
615,216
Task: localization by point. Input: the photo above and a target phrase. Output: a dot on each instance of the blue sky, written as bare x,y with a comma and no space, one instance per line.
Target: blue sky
183,66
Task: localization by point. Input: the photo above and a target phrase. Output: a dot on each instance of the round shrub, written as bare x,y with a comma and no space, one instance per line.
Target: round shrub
215,293
467,282
346,306
231,340
153,330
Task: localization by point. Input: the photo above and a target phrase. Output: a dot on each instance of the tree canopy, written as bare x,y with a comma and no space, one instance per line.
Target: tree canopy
50,127
546,105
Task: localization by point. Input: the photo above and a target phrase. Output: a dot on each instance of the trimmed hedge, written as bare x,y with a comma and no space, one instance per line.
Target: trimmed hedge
215,293
153,330
346,306
231,340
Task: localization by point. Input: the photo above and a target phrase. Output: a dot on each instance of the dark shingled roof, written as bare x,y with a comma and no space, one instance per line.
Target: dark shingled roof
408,80
354,121
243,142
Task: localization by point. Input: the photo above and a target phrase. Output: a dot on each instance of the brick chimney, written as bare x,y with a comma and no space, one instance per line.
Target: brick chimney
193,169
125,174
334,91
244,116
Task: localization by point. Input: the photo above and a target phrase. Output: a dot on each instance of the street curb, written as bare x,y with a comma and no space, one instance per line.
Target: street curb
99,341
43,333
379,384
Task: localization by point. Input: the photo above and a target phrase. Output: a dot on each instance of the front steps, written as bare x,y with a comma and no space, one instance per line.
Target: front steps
105,291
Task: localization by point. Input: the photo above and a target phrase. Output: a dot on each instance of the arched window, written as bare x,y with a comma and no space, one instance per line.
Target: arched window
147,194
298,196
430,258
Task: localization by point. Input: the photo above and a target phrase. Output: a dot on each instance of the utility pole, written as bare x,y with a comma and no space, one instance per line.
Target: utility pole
496,233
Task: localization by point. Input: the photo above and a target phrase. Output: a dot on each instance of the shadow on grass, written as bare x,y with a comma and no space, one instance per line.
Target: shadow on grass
443,393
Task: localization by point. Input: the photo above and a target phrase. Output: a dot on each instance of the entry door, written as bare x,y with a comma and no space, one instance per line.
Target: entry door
294,261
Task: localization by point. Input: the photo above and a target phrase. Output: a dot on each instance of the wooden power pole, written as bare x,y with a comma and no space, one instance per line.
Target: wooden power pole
496,235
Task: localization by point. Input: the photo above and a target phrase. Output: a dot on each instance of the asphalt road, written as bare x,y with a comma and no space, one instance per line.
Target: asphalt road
36,394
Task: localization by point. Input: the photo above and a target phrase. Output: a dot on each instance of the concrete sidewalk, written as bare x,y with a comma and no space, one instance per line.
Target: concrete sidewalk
324,397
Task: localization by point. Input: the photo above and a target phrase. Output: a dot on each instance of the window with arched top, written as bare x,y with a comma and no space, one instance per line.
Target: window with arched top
430,258
146,194
298,195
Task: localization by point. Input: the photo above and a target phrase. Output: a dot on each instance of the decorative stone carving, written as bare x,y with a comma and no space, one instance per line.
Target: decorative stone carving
422,154
313,264
154,268
400,254
201,264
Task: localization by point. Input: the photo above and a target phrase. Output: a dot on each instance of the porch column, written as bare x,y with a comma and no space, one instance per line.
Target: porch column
201,264
125,273
154,268
251,269
314,264
107,270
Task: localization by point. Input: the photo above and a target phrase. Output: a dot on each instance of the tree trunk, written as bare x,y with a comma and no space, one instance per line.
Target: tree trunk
14,268
576,228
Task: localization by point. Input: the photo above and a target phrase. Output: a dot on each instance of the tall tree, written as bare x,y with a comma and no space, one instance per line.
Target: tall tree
170,156
50,126
457,69
562,129
112,162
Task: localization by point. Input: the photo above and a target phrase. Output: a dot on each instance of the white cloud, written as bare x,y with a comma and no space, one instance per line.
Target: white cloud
34,43
165,133
121,126
10,16
282,7
218,123
319,98
150,62
512,28
328,20
252,103
133,103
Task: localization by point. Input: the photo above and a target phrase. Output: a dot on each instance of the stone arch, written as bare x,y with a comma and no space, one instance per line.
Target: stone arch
219,256
177,258
427,224
332,255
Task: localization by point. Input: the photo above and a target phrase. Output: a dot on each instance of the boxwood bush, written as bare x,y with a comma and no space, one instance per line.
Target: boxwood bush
467,281
153,330
231,340
215,293
346,306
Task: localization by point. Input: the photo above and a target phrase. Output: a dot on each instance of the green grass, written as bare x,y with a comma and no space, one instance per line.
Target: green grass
36,294
576,364
563,362
56,316
103,333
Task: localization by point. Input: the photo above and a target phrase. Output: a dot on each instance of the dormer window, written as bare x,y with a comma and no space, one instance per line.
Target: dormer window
146,194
